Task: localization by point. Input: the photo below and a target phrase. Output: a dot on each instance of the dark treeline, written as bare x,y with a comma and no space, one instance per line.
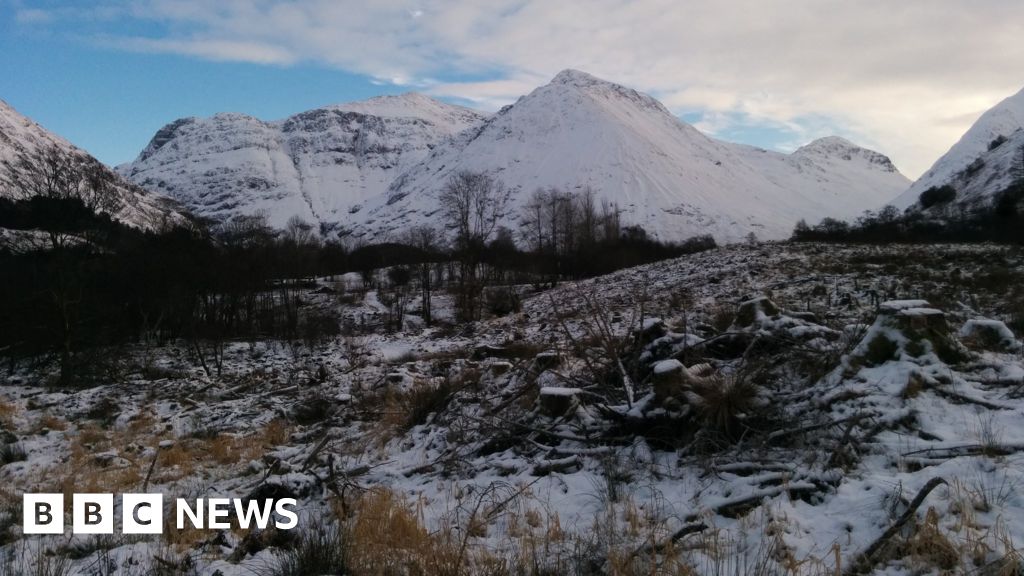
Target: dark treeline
99,283
938,220
74,282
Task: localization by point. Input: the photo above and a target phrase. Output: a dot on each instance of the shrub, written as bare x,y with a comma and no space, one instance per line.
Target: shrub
311,409
974,167
319,550
13,452
501,301
880,350
723,403
937,195
426,399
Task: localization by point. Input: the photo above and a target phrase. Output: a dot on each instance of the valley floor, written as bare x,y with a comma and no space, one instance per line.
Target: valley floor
770,409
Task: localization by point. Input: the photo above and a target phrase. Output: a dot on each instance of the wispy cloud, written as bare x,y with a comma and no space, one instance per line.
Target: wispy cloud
906,76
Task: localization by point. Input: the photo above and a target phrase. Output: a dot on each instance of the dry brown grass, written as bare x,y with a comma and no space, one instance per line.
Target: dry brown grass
8,410
930,547
385,535
83,472
48,421
227,449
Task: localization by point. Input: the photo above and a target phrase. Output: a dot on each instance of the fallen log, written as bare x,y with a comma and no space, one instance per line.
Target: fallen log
866,560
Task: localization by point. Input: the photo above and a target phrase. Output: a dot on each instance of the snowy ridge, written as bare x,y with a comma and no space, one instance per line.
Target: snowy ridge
1003,120
664,174
372,167
20,135
321,165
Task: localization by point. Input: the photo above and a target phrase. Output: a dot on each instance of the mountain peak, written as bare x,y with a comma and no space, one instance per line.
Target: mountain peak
829,143
576,78
571,81
409,104
837,148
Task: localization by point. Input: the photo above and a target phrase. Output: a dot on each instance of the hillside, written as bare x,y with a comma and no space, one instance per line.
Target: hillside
321,165
20,137
979,164
371,168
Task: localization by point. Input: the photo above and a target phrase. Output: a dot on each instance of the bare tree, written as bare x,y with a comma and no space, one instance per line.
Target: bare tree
427,239
472,203
54,173
65,178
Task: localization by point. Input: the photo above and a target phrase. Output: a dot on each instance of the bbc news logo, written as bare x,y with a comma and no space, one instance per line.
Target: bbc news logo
144,513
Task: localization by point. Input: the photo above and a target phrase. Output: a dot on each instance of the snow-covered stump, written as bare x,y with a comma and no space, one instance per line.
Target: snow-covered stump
556,401
915,316
671,379
652,329
499,368
668,379
755,310
986,334
909,328
546,360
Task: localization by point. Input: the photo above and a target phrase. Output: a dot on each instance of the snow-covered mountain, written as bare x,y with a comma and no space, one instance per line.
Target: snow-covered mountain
370,168
664,174
978,165
132,204
321,165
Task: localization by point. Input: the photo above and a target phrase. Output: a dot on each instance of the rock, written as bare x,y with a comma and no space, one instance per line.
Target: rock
105,458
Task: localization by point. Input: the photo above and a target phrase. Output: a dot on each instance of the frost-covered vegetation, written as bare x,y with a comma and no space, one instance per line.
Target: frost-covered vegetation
758,409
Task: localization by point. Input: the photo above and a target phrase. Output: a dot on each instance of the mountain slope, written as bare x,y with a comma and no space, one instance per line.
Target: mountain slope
21,137
955,166
664,174
321,165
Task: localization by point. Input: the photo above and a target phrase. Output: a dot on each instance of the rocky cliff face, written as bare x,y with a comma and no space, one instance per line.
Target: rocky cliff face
320,165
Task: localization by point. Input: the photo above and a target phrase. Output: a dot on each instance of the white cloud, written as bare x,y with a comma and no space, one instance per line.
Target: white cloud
908,77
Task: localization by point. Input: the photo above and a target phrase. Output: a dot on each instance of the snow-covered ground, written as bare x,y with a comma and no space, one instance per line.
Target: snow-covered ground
764,409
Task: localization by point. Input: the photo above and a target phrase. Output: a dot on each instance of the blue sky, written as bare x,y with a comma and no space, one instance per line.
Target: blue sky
111,102
774,73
